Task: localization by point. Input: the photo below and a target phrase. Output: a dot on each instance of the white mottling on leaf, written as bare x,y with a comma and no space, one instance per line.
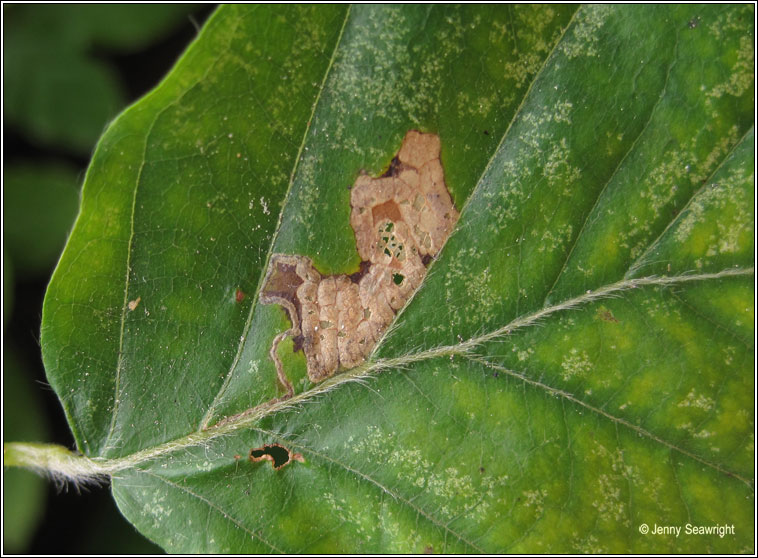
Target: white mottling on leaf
720,197
698,401
589,544
742,76
481,300
584,38
552,240
611,500
455,493
535,499
659,187
575,364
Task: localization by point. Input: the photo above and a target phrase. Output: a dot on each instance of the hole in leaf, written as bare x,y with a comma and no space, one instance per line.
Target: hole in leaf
397,278
278,455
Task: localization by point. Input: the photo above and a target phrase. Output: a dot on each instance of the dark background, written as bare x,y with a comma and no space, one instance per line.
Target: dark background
68,70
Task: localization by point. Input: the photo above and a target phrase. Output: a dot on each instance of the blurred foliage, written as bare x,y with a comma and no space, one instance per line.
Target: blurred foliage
68,70
56,90
7,287
40,207
23,491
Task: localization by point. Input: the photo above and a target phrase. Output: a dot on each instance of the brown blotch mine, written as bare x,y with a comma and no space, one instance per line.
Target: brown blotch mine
278,455
606,315
401,221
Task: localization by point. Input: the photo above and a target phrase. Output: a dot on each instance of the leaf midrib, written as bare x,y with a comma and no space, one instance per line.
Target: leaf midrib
247,418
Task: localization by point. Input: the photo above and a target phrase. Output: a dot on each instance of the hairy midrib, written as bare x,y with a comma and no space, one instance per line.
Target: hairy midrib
230,425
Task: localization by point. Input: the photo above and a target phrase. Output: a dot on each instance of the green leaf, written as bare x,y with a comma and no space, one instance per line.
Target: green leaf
577,365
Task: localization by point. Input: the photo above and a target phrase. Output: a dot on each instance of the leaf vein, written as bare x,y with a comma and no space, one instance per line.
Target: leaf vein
616,420
210,413
620,164
383,488
638,263
214,508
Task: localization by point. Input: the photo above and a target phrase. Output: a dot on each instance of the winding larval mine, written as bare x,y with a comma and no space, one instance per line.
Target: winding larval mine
401,221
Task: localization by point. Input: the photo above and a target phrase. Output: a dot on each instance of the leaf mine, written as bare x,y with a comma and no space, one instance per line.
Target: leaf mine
401,220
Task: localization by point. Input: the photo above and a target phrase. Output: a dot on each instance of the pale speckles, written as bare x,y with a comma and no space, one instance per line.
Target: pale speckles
659,186
558,169
730,22
729,353
359,516
479,289
697,401
535,499
536,130
480,106
741,78
562,113
481,298
714,199
584,37
311,37
728,238
654,488
734,28
156,508
575,364
376,520
588,544
523,67
401,537
205,466
381,47
456,494
530,25
552,240
307,195
716,154
611,501
524,354
657,306
610,505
